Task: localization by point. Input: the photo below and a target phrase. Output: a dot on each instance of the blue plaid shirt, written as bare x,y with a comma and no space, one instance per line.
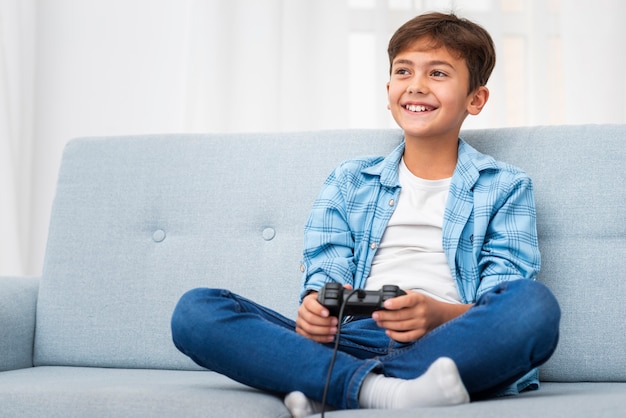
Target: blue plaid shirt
489,231
489,226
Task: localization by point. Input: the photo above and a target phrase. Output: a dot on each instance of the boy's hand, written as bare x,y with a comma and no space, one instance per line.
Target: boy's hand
411,316
314,320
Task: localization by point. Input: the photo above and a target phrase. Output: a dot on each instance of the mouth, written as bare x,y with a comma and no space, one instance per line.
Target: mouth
418,108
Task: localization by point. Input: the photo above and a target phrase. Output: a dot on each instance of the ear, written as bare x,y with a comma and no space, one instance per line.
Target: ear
478,100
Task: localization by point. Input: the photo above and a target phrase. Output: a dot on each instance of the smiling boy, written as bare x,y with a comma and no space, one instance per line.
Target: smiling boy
452,227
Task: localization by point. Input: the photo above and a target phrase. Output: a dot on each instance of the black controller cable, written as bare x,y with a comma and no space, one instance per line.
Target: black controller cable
337,336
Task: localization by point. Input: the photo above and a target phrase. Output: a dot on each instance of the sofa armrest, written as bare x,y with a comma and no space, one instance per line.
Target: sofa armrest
18,302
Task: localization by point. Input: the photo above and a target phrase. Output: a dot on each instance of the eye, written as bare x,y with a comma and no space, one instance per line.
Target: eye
401,71
438,74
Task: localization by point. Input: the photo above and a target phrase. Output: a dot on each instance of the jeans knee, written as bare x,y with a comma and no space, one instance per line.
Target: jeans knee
191,307
542,304
543,314
532,310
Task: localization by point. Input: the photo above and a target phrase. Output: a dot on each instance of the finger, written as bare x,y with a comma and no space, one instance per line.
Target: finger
389,316
318,333
401,302
313,319
316,314
311,304
402,325
314,332
312,325
405,336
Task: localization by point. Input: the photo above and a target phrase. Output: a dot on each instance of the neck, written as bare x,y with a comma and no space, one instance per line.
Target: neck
431,159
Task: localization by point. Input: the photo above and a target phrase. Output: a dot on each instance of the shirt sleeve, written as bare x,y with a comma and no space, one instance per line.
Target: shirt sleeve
511,250
328,254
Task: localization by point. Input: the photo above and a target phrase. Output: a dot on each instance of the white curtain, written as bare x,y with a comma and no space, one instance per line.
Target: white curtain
17,34
71,68
267,65
594,35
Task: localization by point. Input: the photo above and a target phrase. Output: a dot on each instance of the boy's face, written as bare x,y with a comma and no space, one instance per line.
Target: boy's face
428,92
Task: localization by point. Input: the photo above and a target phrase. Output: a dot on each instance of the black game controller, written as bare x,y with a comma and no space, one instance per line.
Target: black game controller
360,302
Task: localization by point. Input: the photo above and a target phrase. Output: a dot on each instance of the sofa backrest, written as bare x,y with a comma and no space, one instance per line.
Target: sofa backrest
139,220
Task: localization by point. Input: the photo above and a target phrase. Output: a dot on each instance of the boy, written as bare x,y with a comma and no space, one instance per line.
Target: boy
452,227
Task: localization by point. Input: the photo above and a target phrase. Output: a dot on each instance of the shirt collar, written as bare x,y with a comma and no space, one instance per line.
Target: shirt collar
469,165
387,169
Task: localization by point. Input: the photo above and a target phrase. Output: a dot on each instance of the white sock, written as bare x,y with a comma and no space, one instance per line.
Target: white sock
300,406
441,385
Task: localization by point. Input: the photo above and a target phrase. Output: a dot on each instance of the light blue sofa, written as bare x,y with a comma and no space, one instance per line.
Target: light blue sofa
137,221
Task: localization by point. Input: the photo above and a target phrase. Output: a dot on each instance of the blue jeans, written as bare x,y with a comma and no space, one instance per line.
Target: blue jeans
511,330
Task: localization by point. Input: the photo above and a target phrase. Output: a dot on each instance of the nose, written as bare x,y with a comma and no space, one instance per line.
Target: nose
417,86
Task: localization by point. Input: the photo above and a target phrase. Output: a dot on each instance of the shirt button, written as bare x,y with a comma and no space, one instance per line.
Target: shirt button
392,202
302,268
373,245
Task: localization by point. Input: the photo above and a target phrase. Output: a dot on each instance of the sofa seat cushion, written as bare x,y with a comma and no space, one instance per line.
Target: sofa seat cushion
571,400
98,392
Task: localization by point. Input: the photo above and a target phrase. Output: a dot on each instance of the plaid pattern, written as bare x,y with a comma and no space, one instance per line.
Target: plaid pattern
489,227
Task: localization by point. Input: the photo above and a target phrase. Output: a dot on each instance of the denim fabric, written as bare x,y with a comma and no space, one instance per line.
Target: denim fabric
512,329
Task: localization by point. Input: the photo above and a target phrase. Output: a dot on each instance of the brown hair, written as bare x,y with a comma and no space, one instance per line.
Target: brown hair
469,40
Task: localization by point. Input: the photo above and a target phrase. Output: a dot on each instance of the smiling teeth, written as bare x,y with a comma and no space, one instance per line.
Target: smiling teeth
416,108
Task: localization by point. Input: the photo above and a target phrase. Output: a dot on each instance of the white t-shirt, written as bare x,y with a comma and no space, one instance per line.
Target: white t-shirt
410,254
